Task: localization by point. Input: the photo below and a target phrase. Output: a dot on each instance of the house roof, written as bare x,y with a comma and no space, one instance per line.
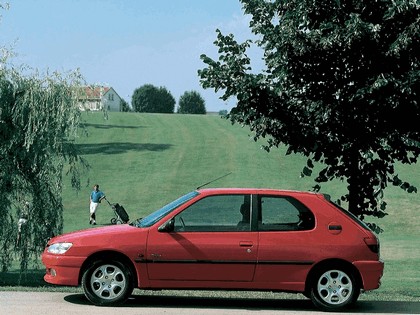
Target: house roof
93,92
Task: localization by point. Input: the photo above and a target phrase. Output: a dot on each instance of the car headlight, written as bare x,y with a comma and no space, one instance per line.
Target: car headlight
59,248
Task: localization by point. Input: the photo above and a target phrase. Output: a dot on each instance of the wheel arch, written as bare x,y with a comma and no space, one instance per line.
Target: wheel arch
332,263
109,254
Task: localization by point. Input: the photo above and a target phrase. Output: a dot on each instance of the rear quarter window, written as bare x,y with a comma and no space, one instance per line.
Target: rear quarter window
348,214
278,213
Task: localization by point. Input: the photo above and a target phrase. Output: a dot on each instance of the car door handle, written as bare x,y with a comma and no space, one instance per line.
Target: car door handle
246,244
336,227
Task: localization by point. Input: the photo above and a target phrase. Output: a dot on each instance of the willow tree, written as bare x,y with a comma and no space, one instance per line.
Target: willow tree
340,85
38,122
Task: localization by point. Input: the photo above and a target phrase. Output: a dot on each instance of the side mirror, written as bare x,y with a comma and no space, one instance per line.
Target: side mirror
168,226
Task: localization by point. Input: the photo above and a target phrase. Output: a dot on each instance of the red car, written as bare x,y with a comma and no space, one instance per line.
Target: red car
247,239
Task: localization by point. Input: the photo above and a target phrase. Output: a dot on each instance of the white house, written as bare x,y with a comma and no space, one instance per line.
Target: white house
96,98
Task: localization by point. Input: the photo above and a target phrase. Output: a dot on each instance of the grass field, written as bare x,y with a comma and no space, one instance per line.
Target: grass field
143,161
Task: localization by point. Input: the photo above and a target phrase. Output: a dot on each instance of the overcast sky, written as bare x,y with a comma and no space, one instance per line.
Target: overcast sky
123,43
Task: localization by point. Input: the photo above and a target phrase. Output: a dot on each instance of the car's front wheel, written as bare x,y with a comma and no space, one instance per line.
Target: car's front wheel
334,288
107,283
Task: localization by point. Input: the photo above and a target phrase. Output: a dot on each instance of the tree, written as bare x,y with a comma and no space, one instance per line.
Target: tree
124,106
223,112
38,123
151,99
341,86
191,103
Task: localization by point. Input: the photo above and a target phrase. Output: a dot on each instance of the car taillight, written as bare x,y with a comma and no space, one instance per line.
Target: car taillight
373,244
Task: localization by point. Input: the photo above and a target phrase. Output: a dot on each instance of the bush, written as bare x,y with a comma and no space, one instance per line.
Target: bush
191,103
151,99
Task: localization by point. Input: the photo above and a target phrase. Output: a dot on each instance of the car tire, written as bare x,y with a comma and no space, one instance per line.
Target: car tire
107,282
334,288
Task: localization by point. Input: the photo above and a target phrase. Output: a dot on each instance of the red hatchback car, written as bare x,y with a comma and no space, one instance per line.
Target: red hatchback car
245,239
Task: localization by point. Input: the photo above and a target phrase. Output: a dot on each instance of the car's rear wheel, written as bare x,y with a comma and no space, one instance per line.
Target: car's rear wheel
334,288
107,283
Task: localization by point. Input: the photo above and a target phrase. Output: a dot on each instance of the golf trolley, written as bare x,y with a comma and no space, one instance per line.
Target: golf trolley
121,215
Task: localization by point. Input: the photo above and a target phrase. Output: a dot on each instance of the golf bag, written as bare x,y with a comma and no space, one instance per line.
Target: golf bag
121,216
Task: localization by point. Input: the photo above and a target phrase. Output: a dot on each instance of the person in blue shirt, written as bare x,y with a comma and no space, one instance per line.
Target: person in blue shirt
95,198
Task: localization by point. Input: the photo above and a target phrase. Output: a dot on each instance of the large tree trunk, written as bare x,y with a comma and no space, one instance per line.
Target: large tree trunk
354,183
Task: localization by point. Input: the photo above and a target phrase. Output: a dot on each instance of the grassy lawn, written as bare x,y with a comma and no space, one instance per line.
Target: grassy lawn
143,161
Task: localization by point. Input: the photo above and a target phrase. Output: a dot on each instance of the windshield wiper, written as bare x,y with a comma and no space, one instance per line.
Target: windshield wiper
136,223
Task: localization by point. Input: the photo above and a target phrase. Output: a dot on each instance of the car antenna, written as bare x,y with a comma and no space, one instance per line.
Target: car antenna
201,186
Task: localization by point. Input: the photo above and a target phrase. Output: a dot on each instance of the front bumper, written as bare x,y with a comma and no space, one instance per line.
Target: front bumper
62,269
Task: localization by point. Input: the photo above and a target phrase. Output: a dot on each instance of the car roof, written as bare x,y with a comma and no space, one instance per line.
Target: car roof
269,191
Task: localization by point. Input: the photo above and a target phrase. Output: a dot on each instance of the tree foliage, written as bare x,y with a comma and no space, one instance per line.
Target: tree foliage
191,102
151,99
38,122
125,107
341,86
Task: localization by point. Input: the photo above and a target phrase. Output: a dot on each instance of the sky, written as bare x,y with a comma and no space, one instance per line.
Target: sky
123,43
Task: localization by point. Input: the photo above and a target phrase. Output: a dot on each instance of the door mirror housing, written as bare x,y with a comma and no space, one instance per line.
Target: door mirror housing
168,226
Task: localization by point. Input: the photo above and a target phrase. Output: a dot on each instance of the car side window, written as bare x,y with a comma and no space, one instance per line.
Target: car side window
221,213
283,214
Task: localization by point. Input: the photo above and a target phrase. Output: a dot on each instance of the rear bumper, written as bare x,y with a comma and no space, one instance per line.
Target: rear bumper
371,273
62,270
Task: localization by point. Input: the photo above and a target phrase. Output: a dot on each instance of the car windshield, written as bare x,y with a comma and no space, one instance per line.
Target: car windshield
162,212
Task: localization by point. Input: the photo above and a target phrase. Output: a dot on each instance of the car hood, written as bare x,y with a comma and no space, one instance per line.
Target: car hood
92,234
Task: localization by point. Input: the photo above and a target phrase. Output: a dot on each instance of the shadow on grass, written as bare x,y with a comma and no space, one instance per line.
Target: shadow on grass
303,305
120,147
103,126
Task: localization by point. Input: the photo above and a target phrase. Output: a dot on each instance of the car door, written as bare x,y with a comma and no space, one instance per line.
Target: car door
285,248
208,241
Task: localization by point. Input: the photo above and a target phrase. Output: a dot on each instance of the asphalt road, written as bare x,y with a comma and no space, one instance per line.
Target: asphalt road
46,303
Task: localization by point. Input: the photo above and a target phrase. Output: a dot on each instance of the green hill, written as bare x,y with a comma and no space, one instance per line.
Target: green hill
143,161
